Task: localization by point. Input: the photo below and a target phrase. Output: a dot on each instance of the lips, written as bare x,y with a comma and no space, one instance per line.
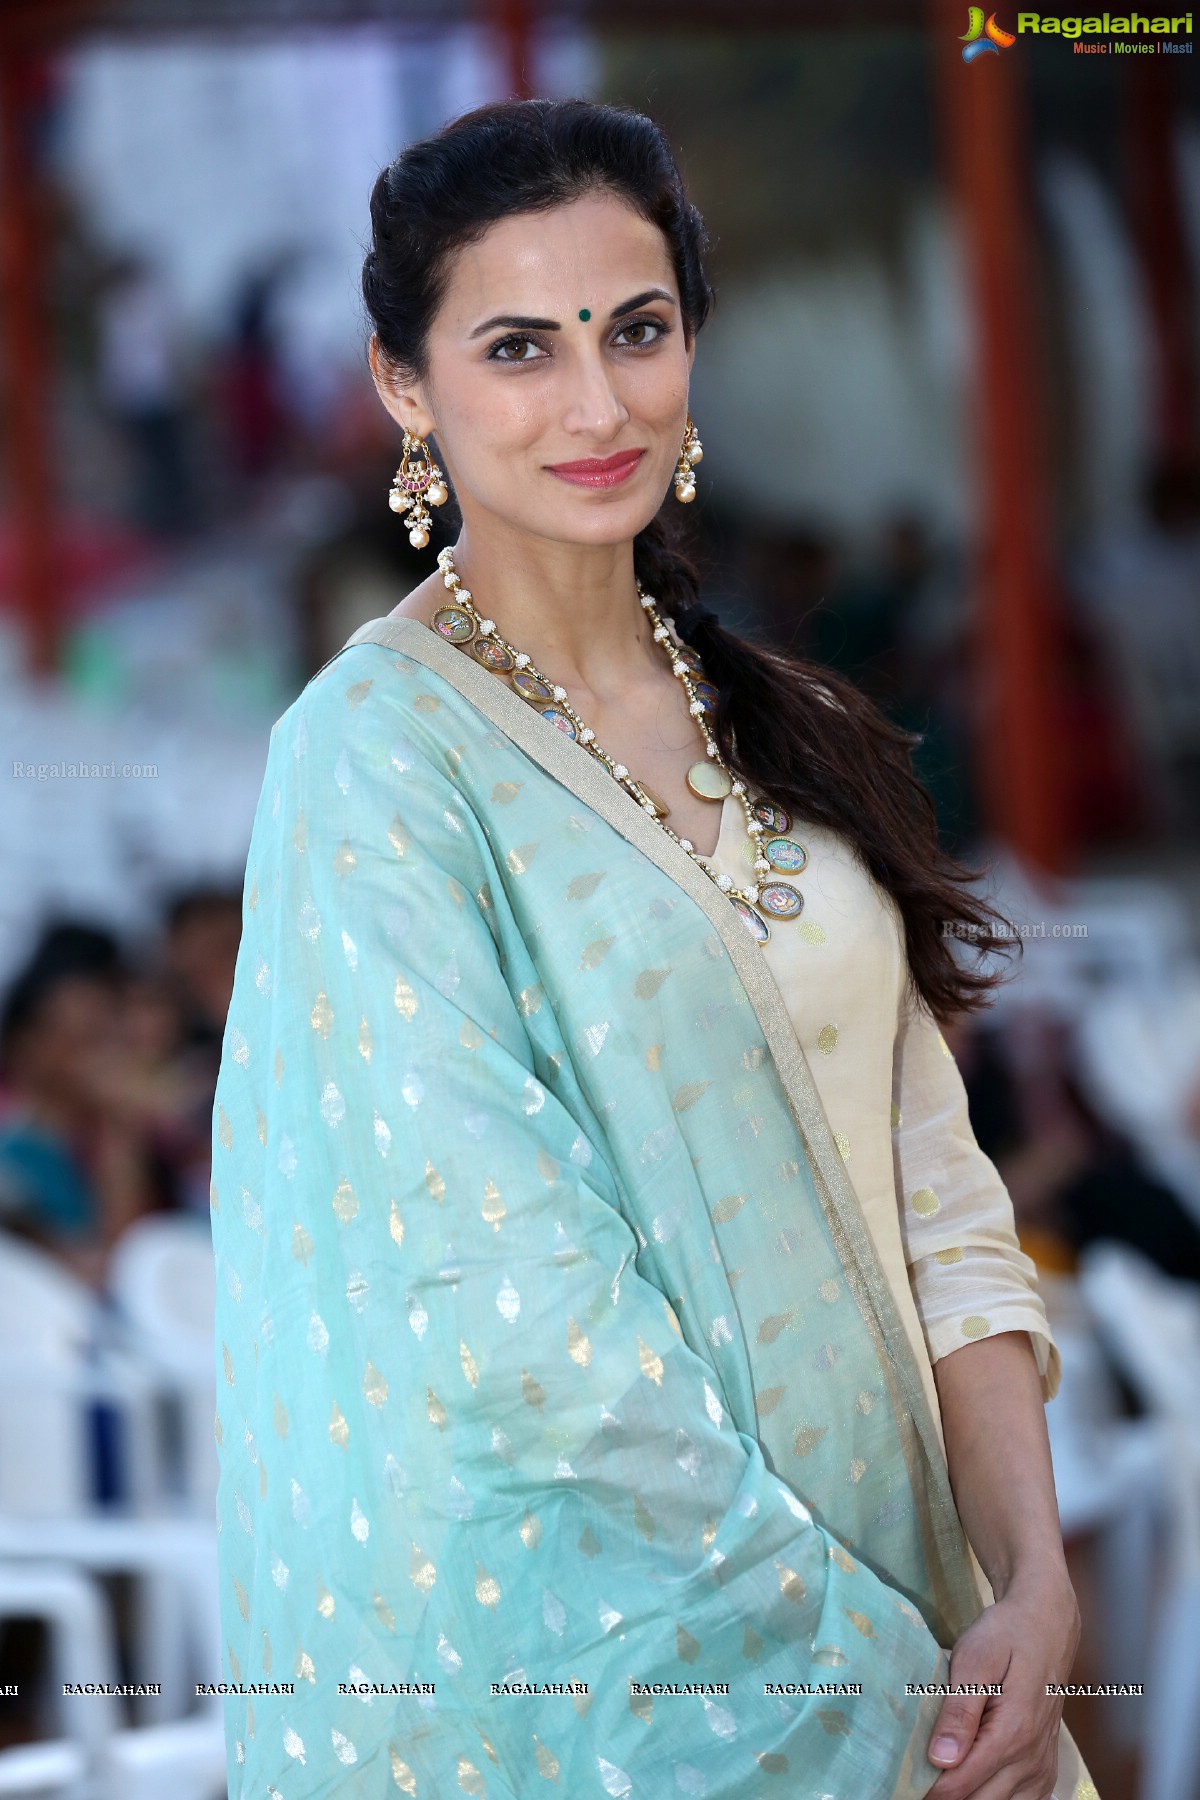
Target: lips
596,471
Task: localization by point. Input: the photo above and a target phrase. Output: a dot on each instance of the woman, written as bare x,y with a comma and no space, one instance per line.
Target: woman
577,1420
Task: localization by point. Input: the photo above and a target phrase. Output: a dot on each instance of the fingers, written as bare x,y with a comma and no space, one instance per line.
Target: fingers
956,1727
1003,1764
979,1660
1010,1784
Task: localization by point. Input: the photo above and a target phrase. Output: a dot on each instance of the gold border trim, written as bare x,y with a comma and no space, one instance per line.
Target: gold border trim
955,1592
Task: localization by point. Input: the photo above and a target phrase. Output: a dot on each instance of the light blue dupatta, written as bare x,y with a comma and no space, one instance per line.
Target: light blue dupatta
569,1439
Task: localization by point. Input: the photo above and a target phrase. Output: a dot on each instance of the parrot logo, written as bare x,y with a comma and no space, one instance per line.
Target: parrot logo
981,39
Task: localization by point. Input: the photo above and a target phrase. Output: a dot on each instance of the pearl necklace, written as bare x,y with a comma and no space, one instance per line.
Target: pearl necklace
711,779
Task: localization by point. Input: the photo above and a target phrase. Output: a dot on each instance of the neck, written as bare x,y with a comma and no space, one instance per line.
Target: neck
573,607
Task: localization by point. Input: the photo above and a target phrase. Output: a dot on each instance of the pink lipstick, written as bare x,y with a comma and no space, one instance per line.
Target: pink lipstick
597,471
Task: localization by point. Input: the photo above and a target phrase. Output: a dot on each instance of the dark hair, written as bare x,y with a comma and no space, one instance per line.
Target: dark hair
66,950
181,907
805,735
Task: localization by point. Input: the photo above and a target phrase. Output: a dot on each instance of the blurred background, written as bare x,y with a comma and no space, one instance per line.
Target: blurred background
950,404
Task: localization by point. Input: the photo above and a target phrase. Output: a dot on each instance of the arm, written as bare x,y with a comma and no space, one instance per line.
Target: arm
998,1451
995,1364
463,1439
999,1458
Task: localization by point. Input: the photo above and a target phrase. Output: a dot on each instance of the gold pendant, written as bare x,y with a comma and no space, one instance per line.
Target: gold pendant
661,809
708,780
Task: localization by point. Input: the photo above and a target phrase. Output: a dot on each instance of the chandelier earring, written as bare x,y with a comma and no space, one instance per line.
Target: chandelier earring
413,485
691,453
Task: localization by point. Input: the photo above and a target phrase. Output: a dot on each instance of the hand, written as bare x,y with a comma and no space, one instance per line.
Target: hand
1006,1745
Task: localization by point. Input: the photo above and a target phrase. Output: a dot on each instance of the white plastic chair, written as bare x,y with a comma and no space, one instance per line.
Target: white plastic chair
56,1771
1110,1483
1151,1325
60,1348
1122,935
184,1758
61,1766
1139,1058
57,1358
1109,1479
174,1563
180,1553
162,1281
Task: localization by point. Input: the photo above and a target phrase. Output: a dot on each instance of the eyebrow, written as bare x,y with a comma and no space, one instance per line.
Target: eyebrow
523,324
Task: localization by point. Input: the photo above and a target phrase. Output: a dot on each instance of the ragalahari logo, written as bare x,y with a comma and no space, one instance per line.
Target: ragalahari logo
981,39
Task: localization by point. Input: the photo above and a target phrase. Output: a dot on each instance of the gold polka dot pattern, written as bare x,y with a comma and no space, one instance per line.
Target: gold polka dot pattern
513,1212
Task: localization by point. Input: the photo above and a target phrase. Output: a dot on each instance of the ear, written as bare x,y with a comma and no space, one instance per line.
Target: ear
691,354
402,399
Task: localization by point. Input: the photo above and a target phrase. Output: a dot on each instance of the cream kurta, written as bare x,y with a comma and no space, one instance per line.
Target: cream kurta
938,1212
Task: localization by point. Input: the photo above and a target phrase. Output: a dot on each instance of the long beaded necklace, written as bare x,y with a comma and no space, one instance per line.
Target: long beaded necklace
461,624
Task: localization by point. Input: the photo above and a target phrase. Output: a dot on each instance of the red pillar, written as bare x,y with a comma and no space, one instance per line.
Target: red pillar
513,22
1022,772
1155,214
27,356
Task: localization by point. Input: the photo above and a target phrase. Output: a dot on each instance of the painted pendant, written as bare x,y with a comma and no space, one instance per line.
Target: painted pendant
454,624
775,818
492,655
528,686
687,656
786,854
780,899
706,693
708,780
754,922
555,716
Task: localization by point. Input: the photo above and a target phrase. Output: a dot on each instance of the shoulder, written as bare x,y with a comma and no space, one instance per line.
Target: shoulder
370,702
346,747
370,752
338,691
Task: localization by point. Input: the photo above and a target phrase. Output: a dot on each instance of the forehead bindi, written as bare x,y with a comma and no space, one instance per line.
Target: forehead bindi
574,262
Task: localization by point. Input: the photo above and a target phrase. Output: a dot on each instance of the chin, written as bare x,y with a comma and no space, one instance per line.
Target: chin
600,524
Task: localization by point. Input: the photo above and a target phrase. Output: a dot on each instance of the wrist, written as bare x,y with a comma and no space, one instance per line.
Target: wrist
1041,1572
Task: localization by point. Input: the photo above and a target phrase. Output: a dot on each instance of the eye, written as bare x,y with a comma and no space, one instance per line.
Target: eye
643,325
506,343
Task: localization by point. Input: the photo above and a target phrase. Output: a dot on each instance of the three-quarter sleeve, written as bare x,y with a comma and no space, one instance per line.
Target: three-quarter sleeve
463,1440
969,1276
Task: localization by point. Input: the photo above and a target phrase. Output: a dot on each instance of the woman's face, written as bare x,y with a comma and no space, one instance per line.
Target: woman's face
559,340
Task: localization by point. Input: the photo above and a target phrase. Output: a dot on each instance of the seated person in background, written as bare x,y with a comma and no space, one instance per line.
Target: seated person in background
1074,1178
203,931
92,1115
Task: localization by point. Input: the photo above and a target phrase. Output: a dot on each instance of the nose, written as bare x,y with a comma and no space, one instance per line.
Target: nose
596,410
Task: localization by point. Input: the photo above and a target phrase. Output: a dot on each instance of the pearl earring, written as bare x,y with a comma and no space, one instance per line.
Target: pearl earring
691,453
413,485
